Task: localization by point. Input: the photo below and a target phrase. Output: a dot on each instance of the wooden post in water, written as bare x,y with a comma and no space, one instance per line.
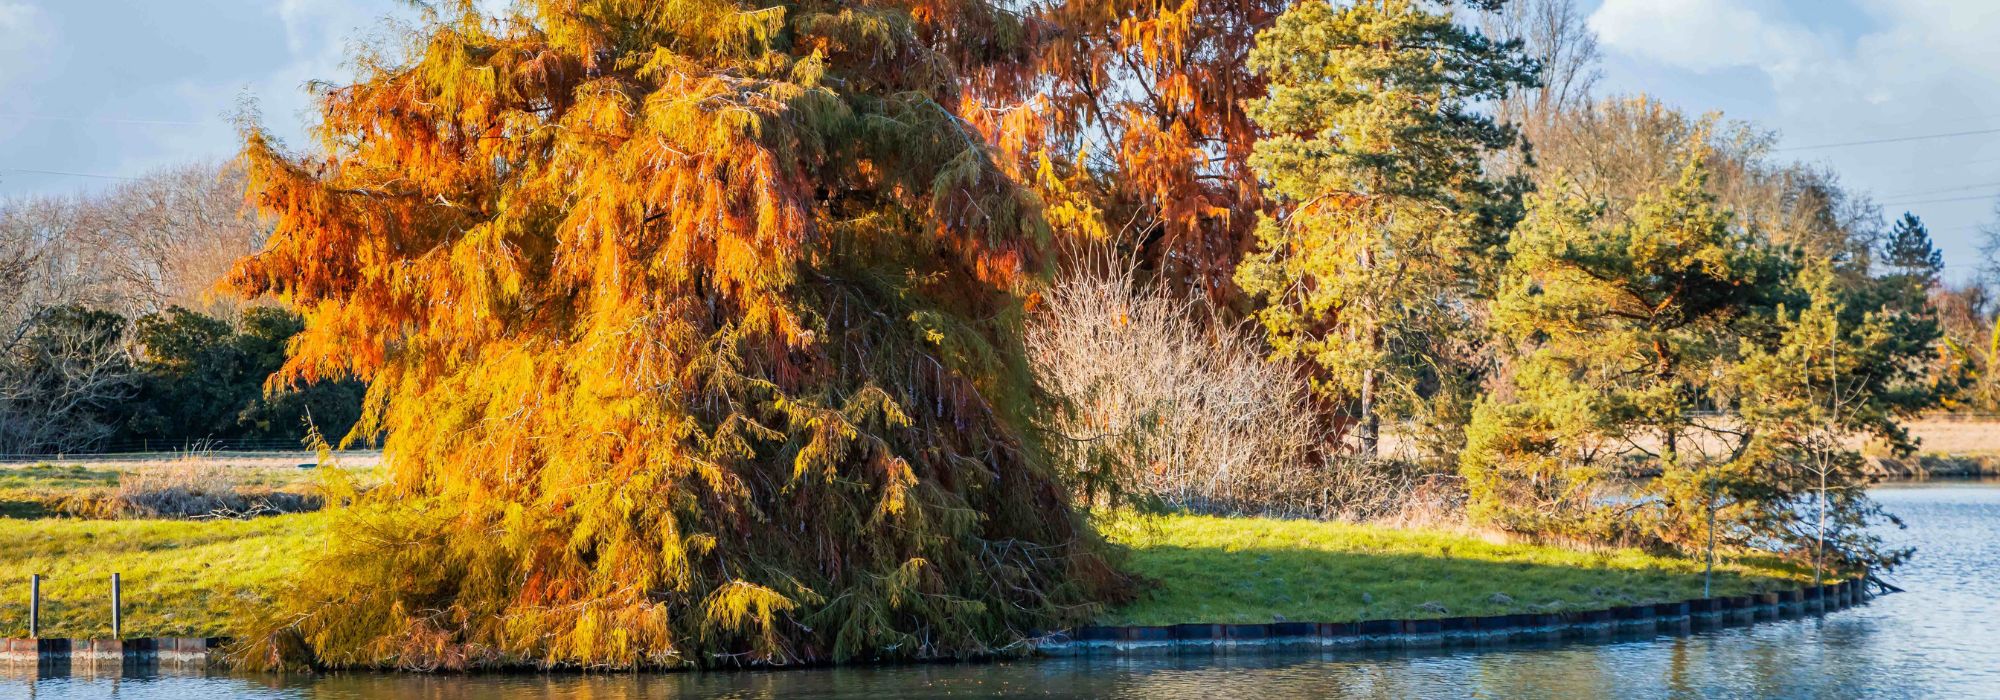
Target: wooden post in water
34,605
117,624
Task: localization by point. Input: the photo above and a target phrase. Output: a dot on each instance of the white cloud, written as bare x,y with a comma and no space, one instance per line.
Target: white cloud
16,15
1707,35
317,37
1914,51
318,32
1836,71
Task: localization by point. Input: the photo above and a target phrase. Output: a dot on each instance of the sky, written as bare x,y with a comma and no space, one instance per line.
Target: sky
1825,72
120,87
102,89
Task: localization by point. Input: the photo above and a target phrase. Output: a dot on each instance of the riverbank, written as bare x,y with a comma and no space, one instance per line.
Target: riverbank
184,578
1935,466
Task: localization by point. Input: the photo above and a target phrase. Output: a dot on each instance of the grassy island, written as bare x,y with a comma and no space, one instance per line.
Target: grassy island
1251,570
191,577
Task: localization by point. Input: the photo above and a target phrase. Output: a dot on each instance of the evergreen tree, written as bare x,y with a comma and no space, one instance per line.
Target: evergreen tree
1674,343
199,378
1909,253
1914,271
1623,324
1390,225
1840,367
694,329
191,382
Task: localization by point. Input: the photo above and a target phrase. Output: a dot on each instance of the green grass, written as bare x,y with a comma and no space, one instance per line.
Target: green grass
54,477
32,492
1245,570
181,578
189,578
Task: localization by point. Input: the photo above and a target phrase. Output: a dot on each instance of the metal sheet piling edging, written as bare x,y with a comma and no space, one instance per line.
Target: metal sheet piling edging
117,620
137,650
1382,633
1122,639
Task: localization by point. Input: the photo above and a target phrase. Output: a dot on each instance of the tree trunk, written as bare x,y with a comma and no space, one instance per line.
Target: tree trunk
1371,378
1371,425
1819,536
1708,568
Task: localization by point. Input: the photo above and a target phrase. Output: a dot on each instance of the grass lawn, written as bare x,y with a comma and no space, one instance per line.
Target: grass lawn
31,492
1250,570
180,577
185,578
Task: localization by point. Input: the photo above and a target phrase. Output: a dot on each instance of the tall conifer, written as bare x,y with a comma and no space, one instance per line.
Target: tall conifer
693,327
1909,252
1389,222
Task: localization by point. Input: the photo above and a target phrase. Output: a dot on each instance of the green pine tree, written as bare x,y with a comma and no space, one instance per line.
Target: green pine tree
1840,366
1909,253
1375,154
1679,379
1623,323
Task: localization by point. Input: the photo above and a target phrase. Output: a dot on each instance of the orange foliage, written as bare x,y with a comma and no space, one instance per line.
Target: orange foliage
1144,98
694,331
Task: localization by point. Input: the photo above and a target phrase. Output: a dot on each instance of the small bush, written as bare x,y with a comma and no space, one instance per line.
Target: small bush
189,488
1164,406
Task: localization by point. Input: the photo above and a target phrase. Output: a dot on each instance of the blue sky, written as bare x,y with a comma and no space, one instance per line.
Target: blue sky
115,88
1834,72
120,87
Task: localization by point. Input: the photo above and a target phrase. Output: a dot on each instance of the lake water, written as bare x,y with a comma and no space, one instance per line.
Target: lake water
1940,639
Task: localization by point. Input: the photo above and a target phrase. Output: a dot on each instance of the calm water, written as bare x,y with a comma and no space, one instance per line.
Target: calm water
1940,639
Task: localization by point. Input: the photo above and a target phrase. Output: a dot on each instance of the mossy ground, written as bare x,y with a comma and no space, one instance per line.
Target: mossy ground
191,578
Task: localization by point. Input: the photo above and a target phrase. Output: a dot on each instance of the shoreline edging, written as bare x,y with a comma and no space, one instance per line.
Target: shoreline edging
140,651
1124,640
54,654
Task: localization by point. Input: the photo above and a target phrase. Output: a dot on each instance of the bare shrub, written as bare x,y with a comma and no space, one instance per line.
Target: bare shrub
1162,405
61,369
194,487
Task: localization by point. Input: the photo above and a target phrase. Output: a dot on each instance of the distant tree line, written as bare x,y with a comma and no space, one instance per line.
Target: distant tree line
109,339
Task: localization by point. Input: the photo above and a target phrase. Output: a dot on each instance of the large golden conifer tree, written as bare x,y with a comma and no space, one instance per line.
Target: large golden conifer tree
692,327
1141,103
